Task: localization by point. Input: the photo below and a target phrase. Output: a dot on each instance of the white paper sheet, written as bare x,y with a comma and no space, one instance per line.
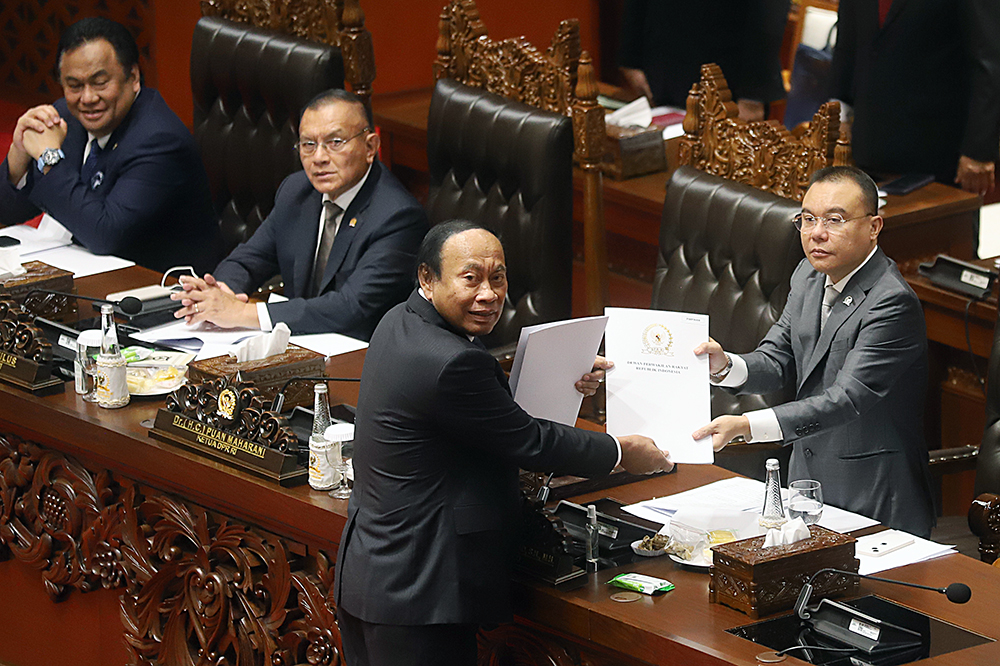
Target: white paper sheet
658,387
738,494
208,334
918,551
79,261
328,344
35,240
550,359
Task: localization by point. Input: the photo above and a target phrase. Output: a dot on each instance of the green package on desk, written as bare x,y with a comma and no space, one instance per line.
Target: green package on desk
640,583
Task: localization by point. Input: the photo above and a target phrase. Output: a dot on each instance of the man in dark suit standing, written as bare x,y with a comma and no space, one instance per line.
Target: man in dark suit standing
852,341
111,162
343,234
425,554
923,77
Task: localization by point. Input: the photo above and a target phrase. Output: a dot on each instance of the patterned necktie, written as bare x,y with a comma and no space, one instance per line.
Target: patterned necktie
333,212
90,164
829,296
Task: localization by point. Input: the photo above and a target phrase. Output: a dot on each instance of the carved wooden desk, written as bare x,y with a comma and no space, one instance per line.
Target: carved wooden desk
934,219
82,491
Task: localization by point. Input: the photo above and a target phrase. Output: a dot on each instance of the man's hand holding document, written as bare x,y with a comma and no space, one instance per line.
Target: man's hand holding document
659,387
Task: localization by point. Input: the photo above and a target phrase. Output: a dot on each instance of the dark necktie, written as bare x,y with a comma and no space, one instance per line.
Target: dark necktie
883,11
90,164
332,211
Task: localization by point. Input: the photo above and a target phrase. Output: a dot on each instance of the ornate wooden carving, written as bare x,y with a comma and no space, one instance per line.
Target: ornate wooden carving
40,275
337,22
242,411
984,521
58,517
31,29
562,81
20,336
762,154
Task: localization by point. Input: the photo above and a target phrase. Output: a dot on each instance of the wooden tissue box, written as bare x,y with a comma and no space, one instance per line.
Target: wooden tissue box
634,151
760,581
268,374
42,276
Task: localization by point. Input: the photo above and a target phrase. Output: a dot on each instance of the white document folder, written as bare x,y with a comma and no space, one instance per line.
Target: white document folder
658,387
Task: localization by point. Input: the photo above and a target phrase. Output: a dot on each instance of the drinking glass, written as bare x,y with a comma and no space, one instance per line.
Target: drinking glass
805,501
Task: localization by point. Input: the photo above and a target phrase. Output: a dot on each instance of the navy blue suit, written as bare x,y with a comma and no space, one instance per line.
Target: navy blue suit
149,200
370,267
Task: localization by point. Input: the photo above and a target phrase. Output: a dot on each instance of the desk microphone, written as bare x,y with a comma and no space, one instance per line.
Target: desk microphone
957,593
130,305
279,397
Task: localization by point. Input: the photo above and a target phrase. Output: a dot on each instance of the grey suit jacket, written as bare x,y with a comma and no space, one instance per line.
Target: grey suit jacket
856,423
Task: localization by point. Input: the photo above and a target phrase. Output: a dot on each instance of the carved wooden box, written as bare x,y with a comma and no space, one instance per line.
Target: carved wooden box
42,276
760,581
634,151
267,374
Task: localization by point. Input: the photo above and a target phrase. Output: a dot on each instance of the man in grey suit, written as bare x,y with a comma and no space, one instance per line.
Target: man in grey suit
852,340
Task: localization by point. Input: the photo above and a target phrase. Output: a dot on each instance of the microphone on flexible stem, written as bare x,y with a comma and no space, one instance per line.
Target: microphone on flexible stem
130,305
957,593
279,397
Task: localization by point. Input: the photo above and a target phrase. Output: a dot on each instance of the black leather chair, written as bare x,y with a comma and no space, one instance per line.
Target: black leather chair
249,87
728,250
508,166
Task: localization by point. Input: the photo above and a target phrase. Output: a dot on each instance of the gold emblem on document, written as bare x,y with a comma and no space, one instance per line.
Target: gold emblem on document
657,339
227,404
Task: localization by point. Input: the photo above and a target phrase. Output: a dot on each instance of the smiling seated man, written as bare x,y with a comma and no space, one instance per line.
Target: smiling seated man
343,235
426,552
851,340
111,162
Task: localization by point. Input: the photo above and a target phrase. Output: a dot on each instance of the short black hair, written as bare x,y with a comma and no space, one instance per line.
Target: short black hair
839,174
337,95
93,28
429,253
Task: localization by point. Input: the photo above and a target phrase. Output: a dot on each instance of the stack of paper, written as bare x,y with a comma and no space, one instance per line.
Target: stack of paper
918,551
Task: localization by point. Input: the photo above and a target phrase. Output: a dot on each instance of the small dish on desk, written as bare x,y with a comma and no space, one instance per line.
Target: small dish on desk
646,552
698,562
153,382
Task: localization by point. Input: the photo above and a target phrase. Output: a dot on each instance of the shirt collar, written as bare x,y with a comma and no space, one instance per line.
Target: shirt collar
102,142
840,284
347,198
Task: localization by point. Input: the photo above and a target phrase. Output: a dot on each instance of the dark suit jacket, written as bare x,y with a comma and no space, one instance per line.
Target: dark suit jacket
438,445
856,423
152,204
925,87
671,39
371,264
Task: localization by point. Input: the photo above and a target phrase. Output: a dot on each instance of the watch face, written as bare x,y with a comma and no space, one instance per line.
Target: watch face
50,157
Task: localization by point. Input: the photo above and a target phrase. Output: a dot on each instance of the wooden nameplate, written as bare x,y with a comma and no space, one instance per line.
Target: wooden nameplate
25,353
227,421
229,449
29,375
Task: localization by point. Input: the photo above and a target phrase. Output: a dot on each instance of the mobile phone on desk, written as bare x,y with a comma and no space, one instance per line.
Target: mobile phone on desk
9,241
908,183
882,543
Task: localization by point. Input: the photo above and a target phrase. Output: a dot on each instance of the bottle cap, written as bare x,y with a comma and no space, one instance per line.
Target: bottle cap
340,432
771,463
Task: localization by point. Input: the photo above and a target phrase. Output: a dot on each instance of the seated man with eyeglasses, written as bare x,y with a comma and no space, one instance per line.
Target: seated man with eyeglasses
343,235
851,340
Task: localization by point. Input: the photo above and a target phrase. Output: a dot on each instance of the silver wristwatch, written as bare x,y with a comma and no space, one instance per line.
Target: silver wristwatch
50,157
722,374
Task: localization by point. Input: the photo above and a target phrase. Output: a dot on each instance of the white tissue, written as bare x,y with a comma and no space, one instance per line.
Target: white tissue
636,113
10,262
789,533
263,346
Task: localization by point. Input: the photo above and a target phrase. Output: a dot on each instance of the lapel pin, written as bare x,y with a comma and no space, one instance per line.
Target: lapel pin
354,222
848,300
114,146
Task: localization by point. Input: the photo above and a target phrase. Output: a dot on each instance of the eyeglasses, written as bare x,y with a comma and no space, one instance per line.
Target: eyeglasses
833,223
334,145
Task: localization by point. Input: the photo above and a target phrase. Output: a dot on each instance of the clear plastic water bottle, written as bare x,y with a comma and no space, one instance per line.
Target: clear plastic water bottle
773,513
111,382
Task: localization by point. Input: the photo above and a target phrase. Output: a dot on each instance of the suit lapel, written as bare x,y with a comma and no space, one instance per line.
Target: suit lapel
846,304
306,236
812,304
350,224
894,9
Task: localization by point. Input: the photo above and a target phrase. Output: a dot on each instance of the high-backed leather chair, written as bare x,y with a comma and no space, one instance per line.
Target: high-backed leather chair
249,87
508,166
728,250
